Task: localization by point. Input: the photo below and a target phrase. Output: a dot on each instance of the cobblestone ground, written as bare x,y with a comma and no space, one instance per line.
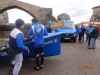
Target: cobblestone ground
75,59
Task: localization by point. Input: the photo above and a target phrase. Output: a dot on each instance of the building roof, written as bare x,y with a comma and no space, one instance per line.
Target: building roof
89,22
96,7
96,22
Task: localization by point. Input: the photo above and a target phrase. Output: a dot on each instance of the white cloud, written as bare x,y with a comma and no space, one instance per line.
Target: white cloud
78,10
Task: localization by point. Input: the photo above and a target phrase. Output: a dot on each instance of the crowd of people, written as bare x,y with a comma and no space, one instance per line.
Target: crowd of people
91,31
17,47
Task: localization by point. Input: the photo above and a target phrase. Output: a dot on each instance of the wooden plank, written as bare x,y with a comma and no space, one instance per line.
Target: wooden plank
57,25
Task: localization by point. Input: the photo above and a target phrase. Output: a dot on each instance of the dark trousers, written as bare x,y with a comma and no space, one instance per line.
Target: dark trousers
89,39
37,52
80,36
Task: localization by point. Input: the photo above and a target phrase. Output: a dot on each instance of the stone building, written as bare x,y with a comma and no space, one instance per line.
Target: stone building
96,14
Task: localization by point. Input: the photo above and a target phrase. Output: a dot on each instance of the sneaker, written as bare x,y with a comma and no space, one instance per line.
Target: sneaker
41,67
89,48
80,41
93,48
35,68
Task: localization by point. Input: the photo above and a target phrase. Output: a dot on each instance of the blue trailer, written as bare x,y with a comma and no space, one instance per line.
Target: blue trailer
52,47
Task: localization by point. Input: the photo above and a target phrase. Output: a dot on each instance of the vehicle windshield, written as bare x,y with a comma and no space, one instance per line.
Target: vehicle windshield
69,25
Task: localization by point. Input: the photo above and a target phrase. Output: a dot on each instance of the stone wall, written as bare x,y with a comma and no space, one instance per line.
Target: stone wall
4,18
6,29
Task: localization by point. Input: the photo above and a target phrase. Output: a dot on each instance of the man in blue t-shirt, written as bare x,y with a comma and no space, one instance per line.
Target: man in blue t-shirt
38,30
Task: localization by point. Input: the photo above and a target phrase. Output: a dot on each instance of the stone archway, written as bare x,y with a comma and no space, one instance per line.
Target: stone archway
35,11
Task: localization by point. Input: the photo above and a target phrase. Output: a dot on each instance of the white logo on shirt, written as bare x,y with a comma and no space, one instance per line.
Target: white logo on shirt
3,54
55,40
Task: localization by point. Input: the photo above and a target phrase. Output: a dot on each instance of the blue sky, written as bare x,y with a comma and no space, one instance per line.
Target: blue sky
78,10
